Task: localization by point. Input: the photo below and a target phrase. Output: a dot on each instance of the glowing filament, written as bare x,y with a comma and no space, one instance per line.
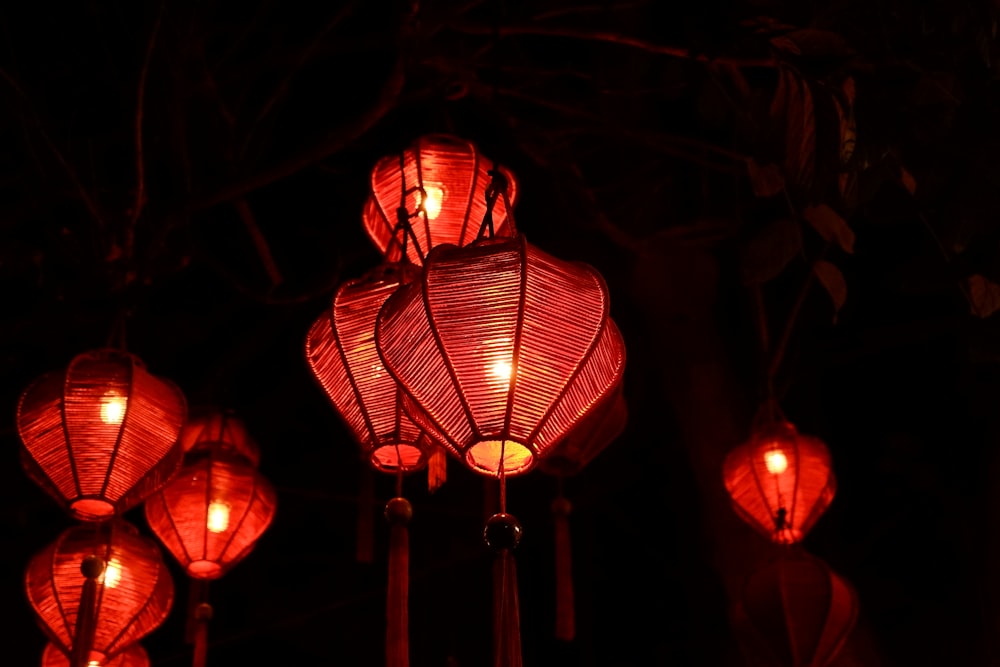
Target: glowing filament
112,573
112,408
218,516
432,203
776,461
501,370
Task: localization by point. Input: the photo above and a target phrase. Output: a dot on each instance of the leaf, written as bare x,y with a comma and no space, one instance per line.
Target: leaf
766,179
792,111
770,250
830,226
833,280
906,178
844,104
984,296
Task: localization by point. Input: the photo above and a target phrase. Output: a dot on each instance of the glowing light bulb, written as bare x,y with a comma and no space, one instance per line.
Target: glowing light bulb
112,575
775,461
112,408
432,203
501,369
218,516
93,663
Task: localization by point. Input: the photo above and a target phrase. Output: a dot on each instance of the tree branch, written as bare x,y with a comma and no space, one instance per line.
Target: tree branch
259,242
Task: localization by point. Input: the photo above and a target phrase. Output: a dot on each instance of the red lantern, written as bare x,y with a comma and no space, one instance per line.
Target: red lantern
501,349
210,515
213,427
444,180
102,435
340,349
780,481
133,656
796,612
134,589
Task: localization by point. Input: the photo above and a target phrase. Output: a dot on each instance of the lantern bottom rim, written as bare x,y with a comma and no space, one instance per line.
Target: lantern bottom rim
91,509
204,569
396,456
493,457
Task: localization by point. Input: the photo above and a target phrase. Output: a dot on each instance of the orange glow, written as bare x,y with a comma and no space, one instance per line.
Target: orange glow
432,204
501,370
218,516
112,408
112,575
93,663
776,461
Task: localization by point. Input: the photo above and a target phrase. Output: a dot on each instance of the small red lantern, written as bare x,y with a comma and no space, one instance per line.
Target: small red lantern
214,427
341,352
134,591
102,435
133,656
501,349
210,515
444,180
780,481
796,612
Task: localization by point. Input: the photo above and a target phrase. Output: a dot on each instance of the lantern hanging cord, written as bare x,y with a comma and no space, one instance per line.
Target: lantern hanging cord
497,188
403,231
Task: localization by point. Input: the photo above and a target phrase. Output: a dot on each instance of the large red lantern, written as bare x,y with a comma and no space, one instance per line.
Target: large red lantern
341,352
101,435
131,596
210,515
441,182
133,656
780,481
501,349
215,427
796,612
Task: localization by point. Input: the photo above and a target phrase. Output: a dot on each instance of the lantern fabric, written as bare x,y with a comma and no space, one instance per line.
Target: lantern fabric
796,612
780,481
101,435
135,591
591,436
501,349
217,427
340,349
445,179
132,656
212,512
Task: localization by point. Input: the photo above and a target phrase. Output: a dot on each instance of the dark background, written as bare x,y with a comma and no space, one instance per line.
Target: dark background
628,126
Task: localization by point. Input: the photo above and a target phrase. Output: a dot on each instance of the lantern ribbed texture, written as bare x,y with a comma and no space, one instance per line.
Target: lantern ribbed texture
214,427
135,592
446,179
796,612
133,656
501,349
591,436
102,435
212,512
780,481
340,349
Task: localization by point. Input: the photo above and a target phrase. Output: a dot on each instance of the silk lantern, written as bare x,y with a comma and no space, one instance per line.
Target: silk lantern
500,349
218,427
780,481
132,656
796,612
101,435
440,183
98,589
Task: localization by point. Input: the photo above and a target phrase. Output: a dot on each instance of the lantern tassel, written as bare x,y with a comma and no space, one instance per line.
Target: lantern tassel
202,615
83,637
565,611
437,469
502,533
365,547
398,512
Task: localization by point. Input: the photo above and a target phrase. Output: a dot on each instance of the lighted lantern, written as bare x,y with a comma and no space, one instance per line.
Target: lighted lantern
214,427
132,656
101,435
105,584
210,515
341,352
796,612
501,349
440,181
780,481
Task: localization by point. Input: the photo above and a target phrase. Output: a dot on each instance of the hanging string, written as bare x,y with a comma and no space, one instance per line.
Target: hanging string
403,232
398,512
92,568
565,603
496,188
